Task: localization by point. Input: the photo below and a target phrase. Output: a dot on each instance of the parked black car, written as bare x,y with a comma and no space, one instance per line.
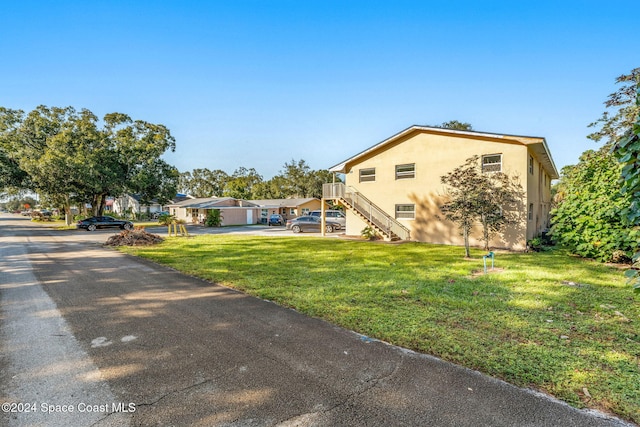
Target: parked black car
90,224
275,219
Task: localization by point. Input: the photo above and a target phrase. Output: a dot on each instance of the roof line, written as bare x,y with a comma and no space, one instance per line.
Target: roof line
340,166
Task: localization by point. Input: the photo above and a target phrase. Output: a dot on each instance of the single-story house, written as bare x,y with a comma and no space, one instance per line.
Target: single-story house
131,204
395,186
288,208
233,211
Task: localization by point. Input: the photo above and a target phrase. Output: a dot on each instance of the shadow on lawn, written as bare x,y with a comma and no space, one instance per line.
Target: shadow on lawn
525,324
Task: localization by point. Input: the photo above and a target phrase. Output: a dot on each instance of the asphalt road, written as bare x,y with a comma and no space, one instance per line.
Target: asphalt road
90,336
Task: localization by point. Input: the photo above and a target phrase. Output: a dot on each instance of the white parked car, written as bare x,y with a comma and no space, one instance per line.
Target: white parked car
332,215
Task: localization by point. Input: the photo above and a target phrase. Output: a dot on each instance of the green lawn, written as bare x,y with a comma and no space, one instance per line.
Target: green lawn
549,321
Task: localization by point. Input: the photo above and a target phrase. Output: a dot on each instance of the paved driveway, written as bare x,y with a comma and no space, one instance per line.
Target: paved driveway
122,341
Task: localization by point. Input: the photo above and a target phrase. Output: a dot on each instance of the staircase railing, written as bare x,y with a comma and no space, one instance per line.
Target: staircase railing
365,207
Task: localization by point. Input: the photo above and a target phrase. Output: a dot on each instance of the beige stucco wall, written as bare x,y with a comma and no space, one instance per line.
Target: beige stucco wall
539,190
434,156
298,210
239,216
180,213
312,205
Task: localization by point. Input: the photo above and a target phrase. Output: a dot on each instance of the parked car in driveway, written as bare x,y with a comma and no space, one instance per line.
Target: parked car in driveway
310,223
332,215
157,215
90,224
41,213
275,219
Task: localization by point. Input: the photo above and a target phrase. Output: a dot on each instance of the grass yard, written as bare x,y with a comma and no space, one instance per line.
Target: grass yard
563,325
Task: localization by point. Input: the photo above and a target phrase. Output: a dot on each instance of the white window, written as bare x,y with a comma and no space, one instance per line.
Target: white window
406,171
531,165
405,211
305,211
292,211
368,174
492,163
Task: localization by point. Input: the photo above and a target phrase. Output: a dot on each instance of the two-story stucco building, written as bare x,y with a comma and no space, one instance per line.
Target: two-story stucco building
395,186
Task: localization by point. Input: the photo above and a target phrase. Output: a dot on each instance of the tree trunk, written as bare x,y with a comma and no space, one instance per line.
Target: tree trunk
465,233
485,234
68,216
95,204
98,203
103,204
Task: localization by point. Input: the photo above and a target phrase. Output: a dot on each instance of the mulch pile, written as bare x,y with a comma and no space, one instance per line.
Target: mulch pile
136,237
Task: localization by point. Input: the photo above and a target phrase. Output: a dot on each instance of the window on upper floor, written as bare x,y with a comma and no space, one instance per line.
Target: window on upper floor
406,211
531,165
367,175
406,171
492,163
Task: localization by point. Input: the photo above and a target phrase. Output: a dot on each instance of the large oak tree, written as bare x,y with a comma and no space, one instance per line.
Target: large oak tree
70,157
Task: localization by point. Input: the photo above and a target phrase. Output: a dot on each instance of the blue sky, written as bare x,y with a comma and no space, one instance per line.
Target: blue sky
258,83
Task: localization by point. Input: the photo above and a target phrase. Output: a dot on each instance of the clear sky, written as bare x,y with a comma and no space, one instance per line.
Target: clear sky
258,83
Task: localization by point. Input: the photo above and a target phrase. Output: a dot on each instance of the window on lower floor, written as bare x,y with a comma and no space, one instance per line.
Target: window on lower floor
530,211
406,171
492,163
405,211
368,174
305,211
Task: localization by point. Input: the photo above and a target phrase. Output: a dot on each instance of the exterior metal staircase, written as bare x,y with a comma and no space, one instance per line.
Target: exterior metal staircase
377,218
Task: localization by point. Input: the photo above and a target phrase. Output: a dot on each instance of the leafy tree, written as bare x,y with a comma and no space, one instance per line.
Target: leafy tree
499,204
296,179
455,124
301,181
318,179
616,124
275,188
51,146
203,182
66,156
18,203
473,196
460,207
12,177
184,183
242,183
627,152
297,175
598,200
595,210
155,181
588,217
138,146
